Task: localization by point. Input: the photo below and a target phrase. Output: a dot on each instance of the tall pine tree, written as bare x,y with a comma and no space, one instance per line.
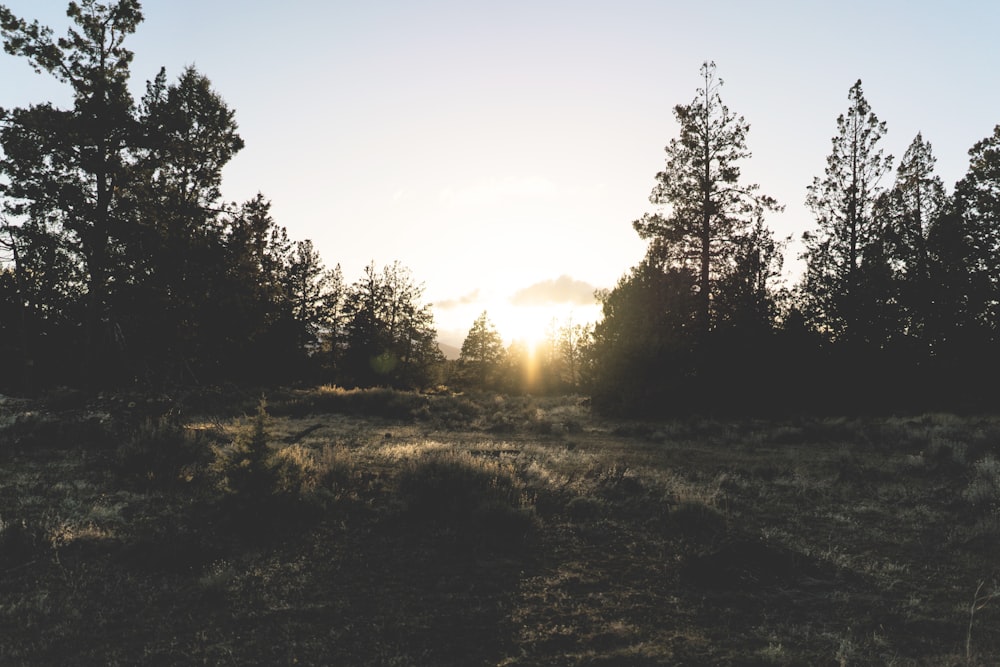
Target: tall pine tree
708,214
848,231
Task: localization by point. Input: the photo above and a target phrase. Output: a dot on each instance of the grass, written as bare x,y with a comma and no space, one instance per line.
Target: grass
403,529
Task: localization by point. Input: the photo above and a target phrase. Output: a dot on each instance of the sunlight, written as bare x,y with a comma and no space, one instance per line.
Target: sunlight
532,325
524,325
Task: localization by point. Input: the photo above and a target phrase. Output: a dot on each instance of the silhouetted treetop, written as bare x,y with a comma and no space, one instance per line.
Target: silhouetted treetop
708,213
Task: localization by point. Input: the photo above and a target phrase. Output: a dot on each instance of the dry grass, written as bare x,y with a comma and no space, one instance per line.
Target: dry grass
408,529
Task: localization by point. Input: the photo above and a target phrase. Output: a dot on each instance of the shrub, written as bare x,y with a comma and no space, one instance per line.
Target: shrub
305,474
159,452
983,492
244,467
259,477
373,402
484,498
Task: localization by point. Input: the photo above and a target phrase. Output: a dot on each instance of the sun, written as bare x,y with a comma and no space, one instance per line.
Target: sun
533,326
526,325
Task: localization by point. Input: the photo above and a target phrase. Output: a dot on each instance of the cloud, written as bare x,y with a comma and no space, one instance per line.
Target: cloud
563,289
463,300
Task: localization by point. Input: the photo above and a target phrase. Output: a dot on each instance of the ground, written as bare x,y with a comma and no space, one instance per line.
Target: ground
384,528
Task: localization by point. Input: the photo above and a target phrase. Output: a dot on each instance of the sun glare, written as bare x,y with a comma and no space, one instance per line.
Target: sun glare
523,325
533,325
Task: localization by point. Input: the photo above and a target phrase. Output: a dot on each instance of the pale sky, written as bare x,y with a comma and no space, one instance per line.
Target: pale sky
501,150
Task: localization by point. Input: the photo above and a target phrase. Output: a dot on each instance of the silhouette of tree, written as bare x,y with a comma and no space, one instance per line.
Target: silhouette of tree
747,297
308,286
174,251
843,202
66,167
482,356
709,214
964,245
642,346
978,198
391,338
333,334
571,341
916,201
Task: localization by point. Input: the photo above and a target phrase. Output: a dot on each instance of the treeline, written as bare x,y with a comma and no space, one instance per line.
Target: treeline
123,266
897,308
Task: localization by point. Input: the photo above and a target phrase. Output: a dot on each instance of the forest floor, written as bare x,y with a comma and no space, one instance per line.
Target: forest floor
404,529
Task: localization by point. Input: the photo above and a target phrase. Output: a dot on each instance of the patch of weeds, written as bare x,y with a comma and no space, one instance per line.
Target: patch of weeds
584,508
619,482
542,426
944,455
160,452
374,402
696,523
484,498
310,475
983,491
450,411
624,494
983,441
501,424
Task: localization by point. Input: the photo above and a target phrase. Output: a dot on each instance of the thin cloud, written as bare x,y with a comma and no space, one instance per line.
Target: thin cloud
563,289
463,300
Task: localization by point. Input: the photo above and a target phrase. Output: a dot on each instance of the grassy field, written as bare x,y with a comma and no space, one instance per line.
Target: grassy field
381,528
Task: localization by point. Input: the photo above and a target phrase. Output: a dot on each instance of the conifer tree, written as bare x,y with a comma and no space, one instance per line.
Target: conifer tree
708,213
848,231
483,355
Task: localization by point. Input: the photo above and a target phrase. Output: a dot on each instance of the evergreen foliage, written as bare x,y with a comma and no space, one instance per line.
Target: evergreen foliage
483,355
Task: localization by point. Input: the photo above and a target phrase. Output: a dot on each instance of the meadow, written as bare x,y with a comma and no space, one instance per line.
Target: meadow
333,527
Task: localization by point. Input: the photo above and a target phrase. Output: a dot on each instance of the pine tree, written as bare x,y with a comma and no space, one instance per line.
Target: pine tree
843,201
916,201
708,212
482,356
68,166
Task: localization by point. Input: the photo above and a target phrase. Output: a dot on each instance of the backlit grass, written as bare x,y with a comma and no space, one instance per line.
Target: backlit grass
434,536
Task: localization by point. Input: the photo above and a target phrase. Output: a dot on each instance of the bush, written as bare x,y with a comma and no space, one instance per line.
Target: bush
983,492
244,467
482,497
259,477
374,402
303,473
159,452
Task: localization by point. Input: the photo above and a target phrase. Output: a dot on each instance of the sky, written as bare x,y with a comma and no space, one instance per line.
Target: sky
501,151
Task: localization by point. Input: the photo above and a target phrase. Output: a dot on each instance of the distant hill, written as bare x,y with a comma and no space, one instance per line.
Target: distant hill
449,351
